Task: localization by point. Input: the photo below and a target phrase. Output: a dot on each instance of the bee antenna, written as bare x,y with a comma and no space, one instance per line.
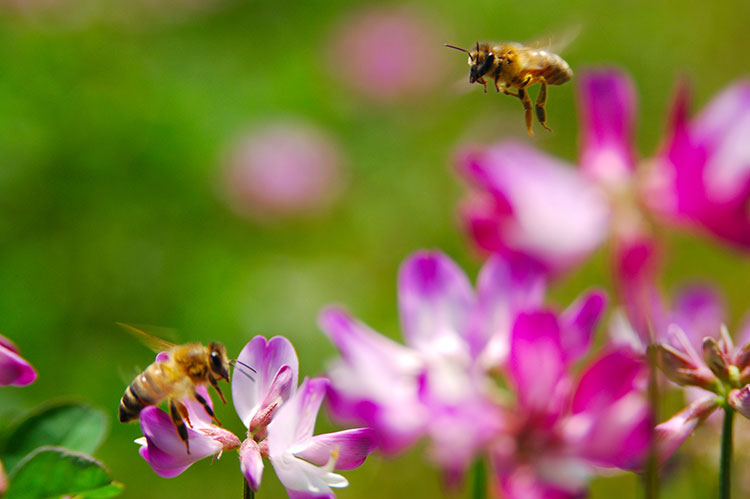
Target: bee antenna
456,48
245,365
459,48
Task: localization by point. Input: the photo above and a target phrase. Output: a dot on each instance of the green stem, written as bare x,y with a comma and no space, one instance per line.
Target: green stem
725,461
651,477
247,492
479,480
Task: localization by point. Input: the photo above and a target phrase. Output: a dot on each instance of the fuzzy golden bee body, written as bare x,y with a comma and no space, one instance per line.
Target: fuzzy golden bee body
514,66
184,368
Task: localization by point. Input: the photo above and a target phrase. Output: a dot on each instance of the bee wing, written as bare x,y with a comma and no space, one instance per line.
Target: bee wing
154,343
556,42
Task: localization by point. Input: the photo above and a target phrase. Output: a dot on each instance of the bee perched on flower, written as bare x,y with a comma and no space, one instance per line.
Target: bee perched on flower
280,418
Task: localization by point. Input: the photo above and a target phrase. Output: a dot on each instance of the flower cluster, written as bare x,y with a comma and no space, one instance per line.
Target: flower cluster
441,383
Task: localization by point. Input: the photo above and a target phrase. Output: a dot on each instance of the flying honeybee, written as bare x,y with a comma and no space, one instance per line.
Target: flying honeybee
175,378
517,66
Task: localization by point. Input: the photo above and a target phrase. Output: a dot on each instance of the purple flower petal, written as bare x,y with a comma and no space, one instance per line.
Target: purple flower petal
305,480
357,342
722,128
672,433
251,463
281,390
637,263
480,420
699,312
7,343
196,411
436,302
536,361
610,377
166,451
375,383
295,421
617,434
578,322
506,286
703,176
161,462
522,482
397,425
607,106
350,448
14,369
549,212
740,400
267,358
3,479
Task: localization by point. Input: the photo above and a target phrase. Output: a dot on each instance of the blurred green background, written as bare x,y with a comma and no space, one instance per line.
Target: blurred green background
115,118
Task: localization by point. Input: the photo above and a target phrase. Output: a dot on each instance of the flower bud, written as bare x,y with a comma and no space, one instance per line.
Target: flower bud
715,358
679,368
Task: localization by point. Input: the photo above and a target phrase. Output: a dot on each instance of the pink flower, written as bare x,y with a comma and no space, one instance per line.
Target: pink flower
438,384
387,53
258,397
162,447
702,177
14,369
561,431
281,419
532,204
283,169
304,463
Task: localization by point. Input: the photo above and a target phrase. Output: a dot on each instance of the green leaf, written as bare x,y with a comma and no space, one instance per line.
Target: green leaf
52,472
74,426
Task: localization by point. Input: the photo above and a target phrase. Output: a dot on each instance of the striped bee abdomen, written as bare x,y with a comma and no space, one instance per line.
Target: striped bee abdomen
141,393
557,70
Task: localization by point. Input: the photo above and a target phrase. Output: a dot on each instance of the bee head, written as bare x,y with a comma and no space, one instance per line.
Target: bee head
218,362
480,60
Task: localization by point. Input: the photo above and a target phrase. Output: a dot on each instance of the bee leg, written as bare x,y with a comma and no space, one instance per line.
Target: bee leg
183,412
508,92
484,83
174,412
207,407
541,114
213,382
497,85
524,96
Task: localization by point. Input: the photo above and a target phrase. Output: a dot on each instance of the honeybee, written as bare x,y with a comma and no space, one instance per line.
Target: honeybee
517,66
186,367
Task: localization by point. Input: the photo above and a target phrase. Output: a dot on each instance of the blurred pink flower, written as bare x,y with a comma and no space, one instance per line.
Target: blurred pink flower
387,53
533,204
438,385
702,178
3,480
283,169
561,432
14,369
